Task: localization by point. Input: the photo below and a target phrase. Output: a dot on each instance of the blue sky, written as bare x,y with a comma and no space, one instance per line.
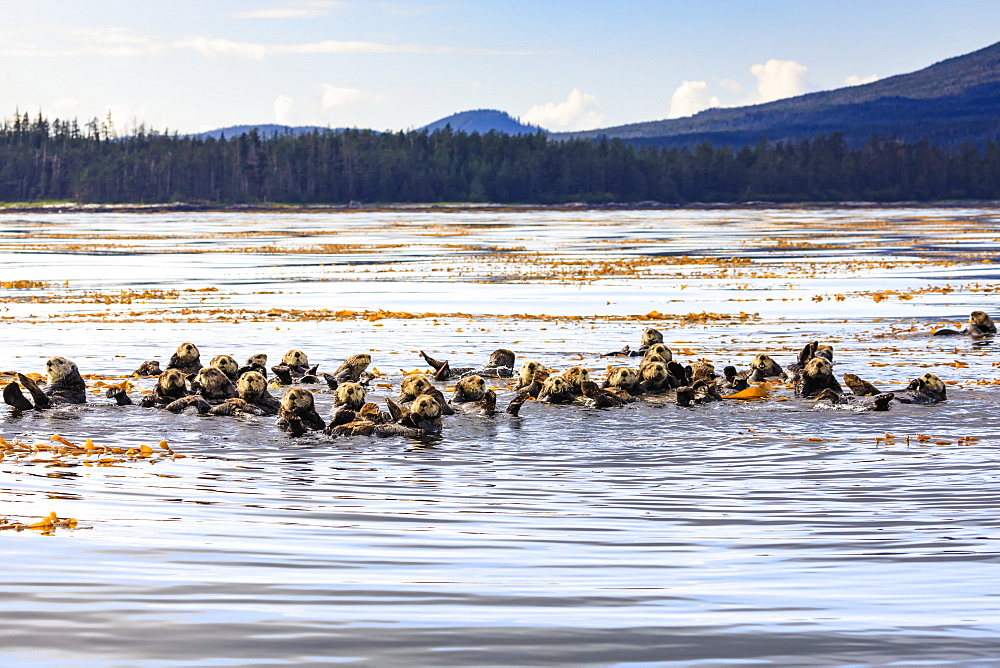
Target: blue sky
191,66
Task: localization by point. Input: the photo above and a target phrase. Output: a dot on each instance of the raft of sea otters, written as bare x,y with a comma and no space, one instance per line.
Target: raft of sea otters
226,388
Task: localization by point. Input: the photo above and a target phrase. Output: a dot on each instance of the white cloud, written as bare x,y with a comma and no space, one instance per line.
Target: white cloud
855,80
575,113
283,110
259,51
778,79
476,85
293,10
74,42
690,98
339,97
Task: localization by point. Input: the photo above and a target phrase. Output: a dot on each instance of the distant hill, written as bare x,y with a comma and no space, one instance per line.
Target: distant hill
483,121
950,102
265,130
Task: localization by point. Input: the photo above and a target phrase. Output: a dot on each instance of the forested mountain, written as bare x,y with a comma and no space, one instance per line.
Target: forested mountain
265,130
950,102
42,160
482,121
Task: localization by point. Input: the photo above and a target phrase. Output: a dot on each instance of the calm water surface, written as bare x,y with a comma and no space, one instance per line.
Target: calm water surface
772,532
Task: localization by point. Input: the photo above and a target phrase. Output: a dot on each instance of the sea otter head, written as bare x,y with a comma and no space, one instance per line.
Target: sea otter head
651,336
60,369
661,350
575,375
763,365
350,395
251,386
297,400
295,357
470,388
226,364
187,352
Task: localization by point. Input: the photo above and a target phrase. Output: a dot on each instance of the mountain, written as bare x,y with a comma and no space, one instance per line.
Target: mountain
483,121
950,102
265,130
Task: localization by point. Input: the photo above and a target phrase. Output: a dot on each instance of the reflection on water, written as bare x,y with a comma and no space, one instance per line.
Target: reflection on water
772,531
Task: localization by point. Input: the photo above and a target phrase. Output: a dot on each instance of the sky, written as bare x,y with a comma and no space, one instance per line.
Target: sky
191,66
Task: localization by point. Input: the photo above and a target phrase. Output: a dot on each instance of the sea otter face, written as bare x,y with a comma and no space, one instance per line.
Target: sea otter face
351,395
225,364
470,388
651,336
172,381
661,350
702,371
575,375
818,368
260,359
623,377
251,386
59,369
655,372
501,357
929,384
824,351
528,370
426,407
765,366
413,386
983,321
358,361
187,352
556,388
212,383
295,357
297,400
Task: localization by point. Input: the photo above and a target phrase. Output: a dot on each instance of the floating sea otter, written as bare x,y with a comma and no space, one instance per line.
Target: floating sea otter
980,325
297,413
499,365
650,337
65,386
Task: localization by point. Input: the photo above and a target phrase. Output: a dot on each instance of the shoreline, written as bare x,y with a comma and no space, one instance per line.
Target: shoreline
185,207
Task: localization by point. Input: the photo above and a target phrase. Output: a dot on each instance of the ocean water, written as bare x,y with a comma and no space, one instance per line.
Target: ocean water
768,532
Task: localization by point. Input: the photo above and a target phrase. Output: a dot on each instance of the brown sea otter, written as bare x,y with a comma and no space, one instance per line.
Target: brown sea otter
65,386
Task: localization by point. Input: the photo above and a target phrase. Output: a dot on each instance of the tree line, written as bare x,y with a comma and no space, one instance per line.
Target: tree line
60,160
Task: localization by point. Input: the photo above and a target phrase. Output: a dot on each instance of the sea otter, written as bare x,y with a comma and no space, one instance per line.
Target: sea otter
499,365
413,386
979,325
556,390
171,385
186,358
353,369
762,367
227,365
576,376
294,368
597,397
148,369
253,397
649,338
702,391
529,373
297,413
65,386
875,402
209,387
815,376
928,389
812,349
624,378
256,363
654,378
659,349
470,388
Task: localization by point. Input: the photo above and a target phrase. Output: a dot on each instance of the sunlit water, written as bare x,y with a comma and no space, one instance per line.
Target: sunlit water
732,533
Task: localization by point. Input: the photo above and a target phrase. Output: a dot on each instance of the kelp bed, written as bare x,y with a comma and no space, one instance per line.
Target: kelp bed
763,530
